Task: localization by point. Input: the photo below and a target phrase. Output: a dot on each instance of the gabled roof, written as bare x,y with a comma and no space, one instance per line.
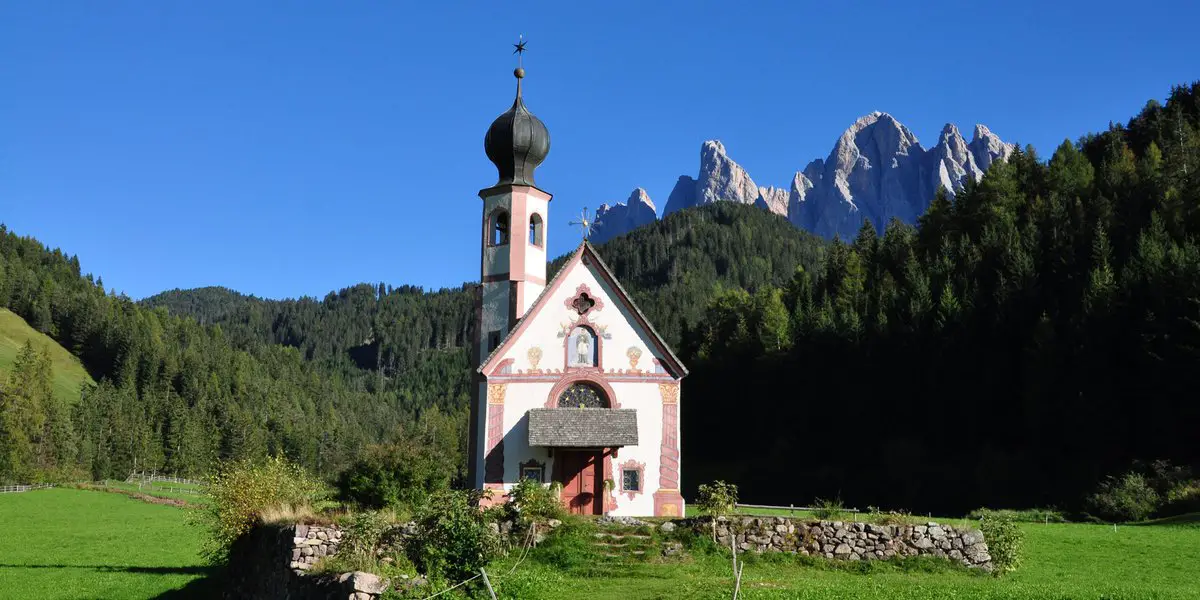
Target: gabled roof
587,251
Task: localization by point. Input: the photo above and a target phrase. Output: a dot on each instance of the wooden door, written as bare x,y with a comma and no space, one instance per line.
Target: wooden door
581,472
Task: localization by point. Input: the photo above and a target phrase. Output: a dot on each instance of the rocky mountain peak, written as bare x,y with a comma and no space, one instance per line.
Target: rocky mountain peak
773,199
719,179
620,218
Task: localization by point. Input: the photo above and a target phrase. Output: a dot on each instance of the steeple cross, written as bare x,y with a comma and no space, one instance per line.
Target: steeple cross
584,223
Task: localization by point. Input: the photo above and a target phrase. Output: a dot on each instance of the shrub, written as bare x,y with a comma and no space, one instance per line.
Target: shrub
1030,515
243,492
1125,498
452,539
1005,540
891,517
717,499
829,509
368,539
1183,497
401,474
531,502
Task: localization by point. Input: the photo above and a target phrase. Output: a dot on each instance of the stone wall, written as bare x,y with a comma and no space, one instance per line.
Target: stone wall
311,543
850,541
272,562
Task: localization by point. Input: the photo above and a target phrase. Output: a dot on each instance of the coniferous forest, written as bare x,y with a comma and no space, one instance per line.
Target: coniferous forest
1036,333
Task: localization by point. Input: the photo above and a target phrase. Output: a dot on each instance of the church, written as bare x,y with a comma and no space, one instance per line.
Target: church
574,386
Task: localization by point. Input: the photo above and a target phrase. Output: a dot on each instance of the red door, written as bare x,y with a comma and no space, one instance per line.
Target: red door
580,475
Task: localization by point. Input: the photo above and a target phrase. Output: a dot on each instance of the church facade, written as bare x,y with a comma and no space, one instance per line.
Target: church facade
574,388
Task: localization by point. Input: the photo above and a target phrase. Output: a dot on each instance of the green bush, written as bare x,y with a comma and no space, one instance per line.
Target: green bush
1125,498
829,509
401,475
1005,540
367,541
1183,497
531,502
717,499
245,493
1030,515
453,539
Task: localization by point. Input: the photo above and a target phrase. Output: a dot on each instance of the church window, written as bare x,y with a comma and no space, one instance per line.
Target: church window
581,348
493,340
631,480
499,228
583,303
582,395
535,230
534,470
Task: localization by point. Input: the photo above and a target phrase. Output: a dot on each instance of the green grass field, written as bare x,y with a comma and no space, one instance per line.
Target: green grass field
66,544
1062,561
69,544
69,373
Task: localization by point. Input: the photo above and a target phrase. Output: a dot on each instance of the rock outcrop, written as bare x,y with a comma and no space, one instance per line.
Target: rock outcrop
877,170
621,218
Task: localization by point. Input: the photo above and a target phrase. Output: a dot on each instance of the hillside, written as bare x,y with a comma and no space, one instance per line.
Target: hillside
69,374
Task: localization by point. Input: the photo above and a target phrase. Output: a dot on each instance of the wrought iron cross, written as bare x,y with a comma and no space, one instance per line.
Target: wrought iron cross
585,225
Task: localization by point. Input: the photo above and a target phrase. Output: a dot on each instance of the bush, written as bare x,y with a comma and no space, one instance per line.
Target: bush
1030,515
369,537
242,493
829,509
1005,540
401,475
1183,497
531,502
1125,498
717,499
891,517
452,539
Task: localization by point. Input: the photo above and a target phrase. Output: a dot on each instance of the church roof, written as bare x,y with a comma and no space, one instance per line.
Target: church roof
582,427
584,253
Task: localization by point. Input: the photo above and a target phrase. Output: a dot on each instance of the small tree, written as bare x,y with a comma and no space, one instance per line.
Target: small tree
717,499
1127,498
453,538
242,491
1005,540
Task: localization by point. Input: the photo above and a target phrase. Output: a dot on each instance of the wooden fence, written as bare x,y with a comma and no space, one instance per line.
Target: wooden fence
11,489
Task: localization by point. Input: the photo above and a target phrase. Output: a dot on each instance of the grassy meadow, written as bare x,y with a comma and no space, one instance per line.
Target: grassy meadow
69,373
69,543
65,544
1062,561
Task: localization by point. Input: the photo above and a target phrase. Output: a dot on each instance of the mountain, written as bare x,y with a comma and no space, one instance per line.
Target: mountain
877,170
619,218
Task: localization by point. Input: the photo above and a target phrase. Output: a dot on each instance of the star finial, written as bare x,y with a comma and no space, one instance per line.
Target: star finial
584,223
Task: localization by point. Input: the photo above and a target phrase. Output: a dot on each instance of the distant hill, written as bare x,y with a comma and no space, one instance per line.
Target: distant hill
206,304
69,373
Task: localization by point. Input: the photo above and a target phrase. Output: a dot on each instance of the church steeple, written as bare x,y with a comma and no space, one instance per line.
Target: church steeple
517,142
515,213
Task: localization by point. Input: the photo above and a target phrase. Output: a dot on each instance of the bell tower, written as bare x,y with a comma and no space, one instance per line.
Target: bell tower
513,232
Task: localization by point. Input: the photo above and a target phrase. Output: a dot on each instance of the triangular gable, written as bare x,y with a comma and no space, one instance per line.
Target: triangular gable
587,254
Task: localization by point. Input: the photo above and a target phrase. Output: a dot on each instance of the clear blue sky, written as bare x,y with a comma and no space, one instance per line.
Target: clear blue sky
288,149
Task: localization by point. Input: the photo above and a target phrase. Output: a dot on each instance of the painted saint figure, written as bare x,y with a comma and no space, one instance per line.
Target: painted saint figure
583,350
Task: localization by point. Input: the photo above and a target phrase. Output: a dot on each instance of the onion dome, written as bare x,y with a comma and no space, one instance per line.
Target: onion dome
517,142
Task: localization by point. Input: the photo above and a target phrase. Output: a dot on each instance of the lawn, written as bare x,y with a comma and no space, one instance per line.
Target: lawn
68,371
67,543
1063,561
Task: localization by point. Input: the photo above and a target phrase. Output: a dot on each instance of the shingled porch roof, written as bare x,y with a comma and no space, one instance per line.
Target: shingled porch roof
583,427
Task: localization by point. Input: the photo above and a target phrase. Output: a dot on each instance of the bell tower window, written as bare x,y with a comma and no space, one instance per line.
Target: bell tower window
535,230
498,229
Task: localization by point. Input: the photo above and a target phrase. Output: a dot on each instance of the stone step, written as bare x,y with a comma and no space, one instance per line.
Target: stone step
621,536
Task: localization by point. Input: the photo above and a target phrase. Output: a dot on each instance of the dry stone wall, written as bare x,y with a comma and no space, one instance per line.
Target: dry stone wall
851,541
311,543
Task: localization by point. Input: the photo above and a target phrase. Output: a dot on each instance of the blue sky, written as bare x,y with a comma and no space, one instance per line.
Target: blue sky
288,149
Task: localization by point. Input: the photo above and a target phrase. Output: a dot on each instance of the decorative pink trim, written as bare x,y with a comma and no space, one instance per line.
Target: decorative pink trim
668,470
567,381
493,464
633,465
498,277
668,503
584,290
610,499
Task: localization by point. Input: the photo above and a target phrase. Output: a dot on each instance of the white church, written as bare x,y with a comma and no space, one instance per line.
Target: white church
573,384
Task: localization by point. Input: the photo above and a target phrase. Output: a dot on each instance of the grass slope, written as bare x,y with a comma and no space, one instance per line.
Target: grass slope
1063,561
69,373
67,544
